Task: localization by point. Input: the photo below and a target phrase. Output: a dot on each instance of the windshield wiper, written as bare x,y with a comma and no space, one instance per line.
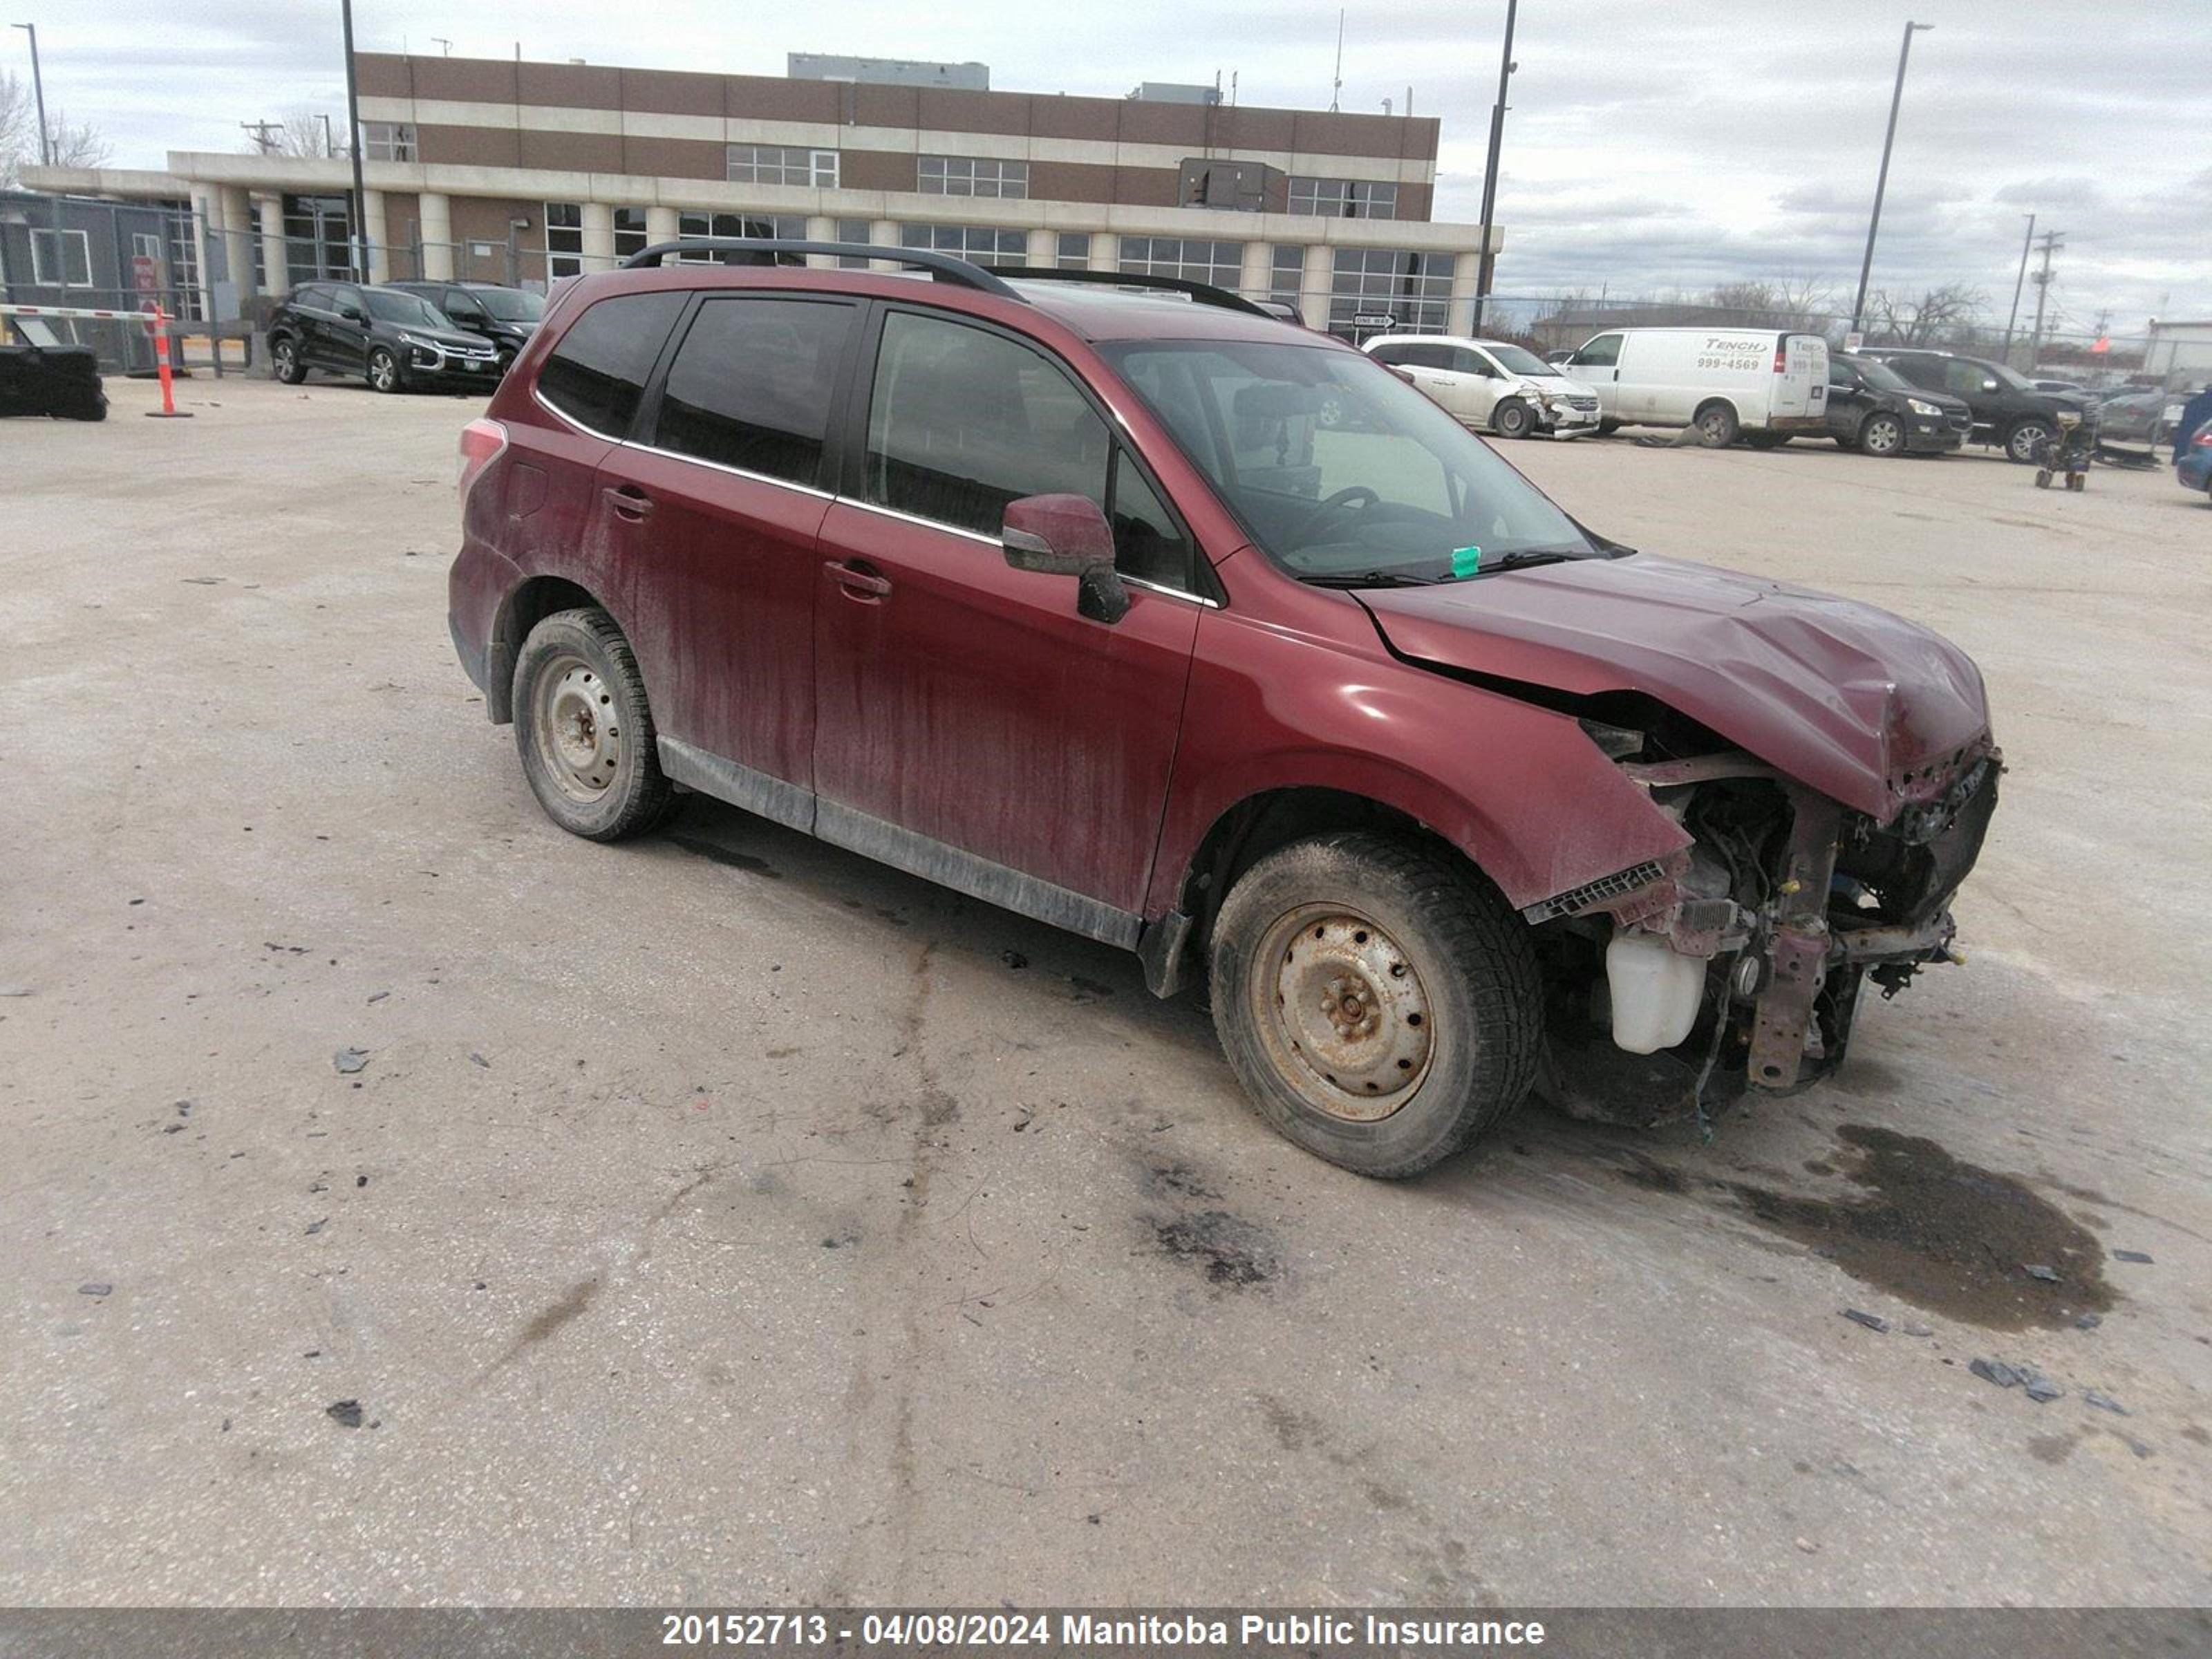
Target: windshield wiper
1373,579
1522,561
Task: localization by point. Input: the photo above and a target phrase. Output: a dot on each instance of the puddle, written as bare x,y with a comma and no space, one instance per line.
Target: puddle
1945,1235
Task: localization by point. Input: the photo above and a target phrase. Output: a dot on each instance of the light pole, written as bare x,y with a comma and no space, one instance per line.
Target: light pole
1505,68
39,94
353,143
1882,180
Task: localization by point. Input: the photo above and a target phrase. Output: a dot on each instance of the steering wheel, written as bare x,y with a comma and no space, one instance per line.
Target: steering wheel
1343,498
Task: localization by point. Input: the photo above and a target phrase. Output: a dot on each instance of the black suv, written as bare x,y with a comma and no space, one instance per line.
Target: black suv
392,339
2008,411
508,317
1874,410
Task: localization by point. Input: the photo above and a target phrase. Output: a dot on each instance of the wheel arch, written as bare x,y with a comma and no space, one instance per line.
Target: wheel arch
528,603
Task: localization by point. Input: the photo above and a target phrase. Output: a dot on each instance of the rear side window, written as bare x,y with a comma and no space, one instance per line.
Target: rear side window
750,385
1962,376
963,421
597,372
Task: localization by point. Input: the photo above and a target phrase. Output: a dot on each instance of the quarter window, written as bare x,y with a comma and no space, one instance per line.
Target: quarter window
971,175
751,385
595,375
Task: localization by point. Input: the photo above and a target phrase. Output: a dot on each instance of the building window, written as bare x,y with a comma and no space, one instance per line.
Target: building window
779,164
629,233
985,244
1221,263
1286,275
972,175
1343,198
178,227
72,269
1074,250
783,227
1413,290
317,238
564,241
854,230
387,141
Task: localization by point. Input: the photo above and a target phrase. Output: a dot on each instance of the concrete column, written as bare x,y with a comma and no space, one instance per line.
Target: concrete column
662,224
1466,273
275,276
599,237
233,217
1320,279
435,214
1259,270
207,223
883,233
1044,248
1105,250
373,233
821,227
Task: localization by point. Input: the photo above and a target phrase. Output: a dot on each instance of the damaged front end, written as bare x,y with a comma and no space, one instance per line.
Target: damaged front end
1739,963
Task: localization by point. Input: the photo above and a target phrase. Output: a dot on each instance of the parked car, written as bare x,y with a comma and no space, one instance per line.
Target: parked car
1491,384
2009,413
1061,596
1873,411
2193,466
392,339
2074,386
2138,422
508,317
1760,384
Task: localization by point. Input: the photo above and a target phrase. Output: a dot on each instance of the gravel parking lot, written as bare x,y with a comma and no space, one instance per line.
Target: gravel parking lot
724,1217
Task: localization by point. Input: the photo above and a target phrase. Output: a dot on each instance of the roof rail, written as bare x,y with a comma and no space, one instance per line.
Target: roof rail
944,267
1204,294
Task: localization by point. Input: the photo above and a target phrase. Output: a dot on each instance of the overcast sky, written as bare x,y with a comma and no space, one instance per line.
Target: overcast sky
1652,145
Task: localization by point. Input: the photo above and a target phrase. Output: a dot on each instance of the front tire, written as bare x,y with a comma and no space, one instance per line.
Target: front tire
1513,418
1717,425
584,730
1377,999
284,361
2024,443
1882,435
383,370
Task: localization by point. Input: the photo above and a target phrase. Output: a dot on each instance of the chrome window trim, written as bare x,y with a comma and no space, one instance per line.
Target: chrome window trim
926,524
724,466
568,420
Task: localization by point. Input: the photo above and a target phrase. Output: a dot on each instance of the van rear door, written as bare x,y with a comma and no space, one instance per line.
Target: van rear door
1801,381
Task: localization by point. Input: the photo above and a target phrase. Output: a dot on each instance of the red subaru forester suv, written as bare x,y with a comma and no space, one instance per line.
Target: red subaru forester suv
1120,604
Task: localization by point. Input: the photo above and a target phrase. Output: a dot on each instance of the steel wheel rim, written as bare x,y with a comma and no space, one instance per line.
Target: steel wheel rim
1343,1014
577,729
1883,434
1714,426
1513,423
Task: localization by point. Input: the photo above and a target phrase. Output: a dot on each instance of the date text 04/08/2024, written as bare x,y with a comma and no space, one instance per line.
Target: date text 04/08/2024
1080,1630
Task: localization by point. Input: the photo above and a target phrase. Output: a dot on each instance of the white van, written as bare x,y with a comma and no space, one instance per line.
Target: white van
1491,384
1761,383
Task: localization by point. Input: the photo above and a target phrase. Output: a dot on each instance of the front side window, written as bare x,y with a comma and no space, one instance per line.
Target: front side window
1391,488
971,175
1220,263
1603,352
67,263
1343,198
387,141
963,421
985,244
781,164
597,374
751,385
564,239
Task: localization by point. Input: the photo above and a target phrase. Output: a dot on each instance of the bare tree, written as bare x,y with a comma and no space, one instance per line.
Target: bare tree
78,143
296,132
74,143
1938,313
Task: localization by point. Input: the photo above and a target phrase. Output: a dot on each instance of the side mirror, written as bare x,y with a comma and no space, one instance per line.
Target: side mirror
351,314
1067,536
1989,385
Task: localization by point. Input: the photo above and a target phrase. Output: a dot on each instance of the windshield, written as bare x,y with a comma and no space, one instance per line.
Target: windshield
1515,361
510,305
1336,468
389,305
1882,377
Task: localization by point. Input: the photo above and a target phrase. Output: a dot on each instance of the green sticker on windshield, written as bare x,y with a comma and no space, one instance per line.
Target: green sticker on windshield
1466,561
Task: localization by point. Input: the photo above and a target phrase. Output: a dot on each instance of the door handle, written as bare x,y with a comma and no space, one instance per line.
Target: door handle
858,581
629,501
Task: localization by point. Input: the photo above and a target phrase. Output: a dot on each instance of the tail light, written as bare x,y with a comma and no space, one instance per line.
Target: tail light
481,442
1781,356
2202,440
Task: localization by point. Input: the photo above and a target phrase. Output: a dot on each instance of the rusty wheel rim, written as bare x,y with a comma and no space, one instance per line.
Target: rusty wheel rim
1343,1012
578,729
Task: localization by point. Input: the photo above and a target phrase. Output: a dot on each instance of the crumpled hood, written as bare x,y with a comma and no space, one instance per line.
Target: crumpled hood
1840,695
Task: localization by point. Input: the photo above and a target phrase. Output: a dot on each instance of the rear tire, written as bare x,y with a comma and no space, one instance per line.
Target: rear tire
1512,418
584,730
1717,425
1377,999
284,361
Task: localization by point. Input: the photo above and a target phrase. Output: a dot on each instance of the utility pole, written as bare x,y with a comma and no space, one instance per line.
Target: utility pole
353,143
2052,241
1882,179
1336,87
2019,283
39,94
329,144
261,131
1505,68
